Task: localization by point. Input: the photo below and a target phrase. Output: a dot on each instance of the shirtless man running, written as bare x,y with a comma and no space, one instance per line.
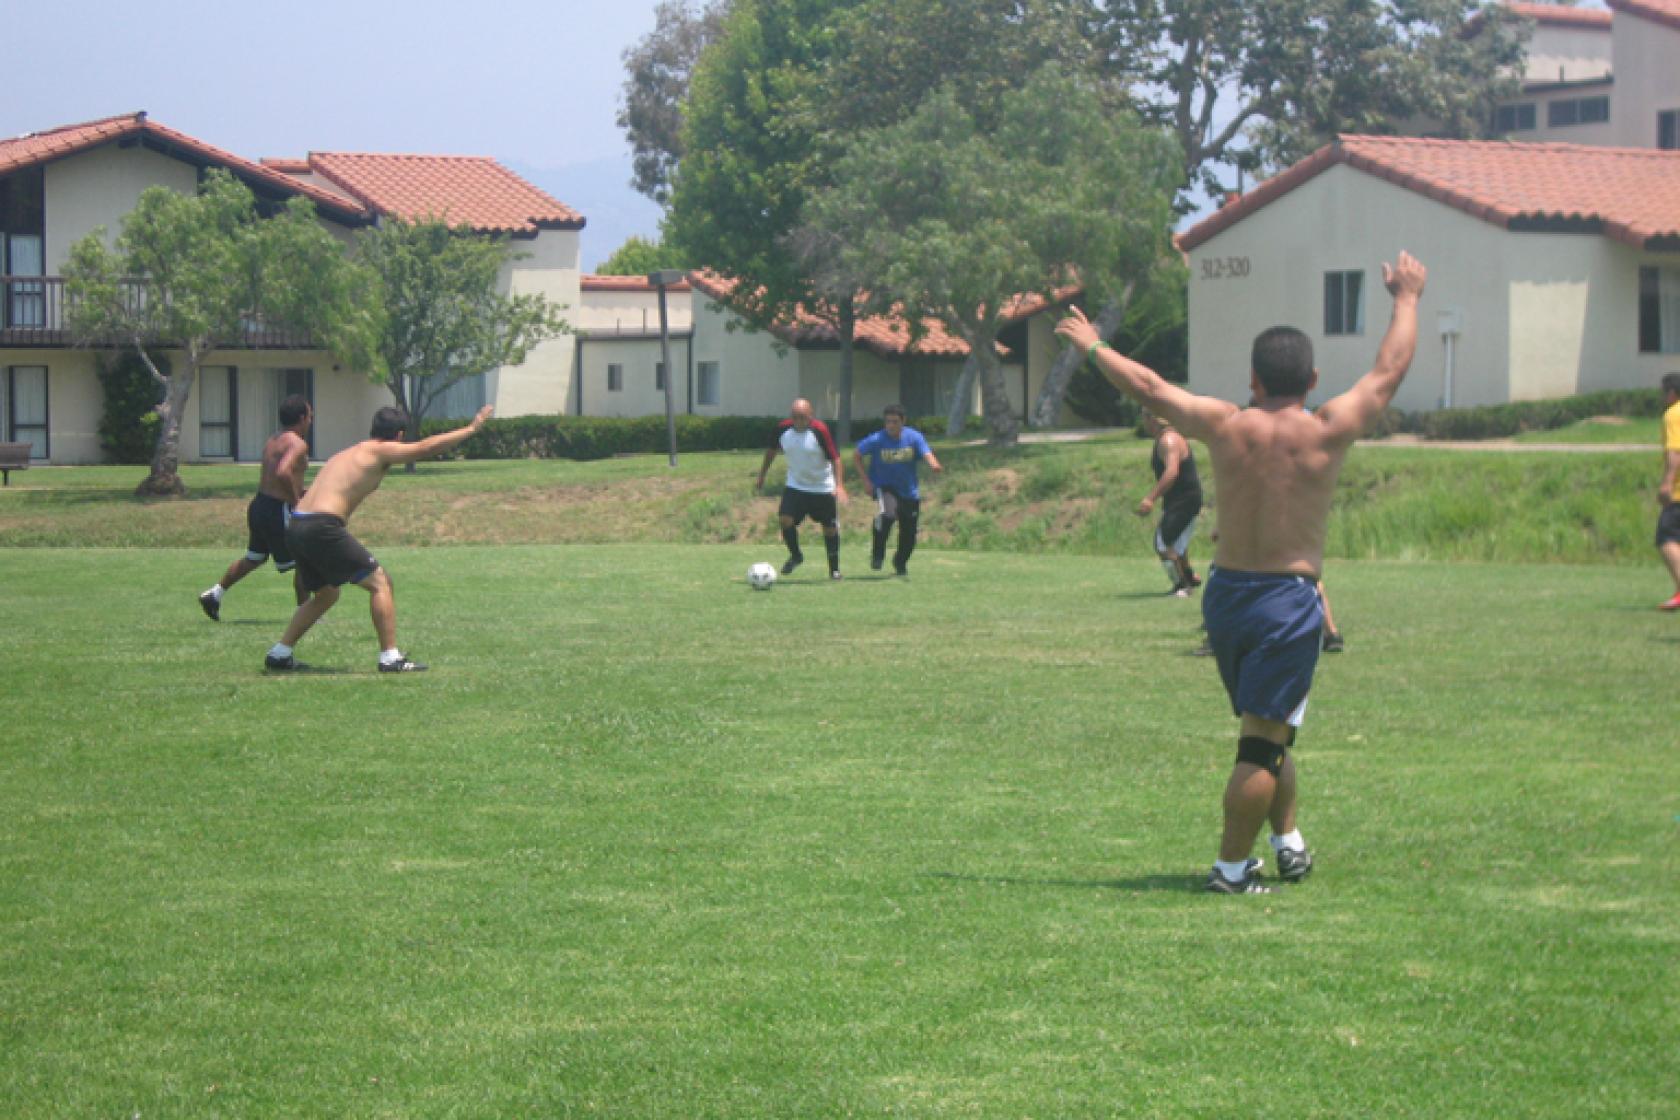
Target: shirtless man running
285,458
1275,465
329,557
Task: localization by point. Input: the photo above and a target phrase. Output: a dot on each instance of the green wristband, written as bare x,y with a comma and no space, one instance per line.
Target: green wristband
1091,350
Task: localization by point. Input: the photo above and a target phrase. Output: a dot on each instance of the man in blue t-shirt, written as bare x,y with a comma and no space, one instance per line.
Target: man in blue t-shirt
887,462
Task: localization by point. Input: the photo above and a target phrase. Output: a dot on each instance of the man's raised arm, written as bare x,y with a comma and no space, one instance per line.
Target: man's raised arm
1196,416
392,452
1350,415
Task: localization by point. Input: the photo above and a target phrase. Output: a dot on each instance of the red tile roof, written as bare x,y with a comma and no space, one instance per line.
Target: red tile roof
1595,19
593,283
1629,194
885,335
1666,12
44,147
473,191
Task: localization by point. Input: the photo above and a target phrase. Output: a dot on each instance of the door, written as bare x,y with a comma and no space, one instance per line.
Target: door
26,409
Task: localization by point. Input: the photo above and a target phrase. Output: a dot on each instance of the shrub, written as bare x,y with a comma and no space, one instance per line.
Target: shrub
128,423
602,437
1496,421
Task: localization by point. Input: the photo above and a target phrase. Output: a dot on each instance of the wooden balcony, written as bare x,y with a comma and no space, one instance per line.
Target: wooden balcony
32,314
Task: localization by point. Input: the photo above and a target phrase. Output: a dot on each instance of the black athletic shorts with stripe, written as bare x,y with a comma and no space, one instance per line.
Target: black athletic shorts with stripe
800,504
327,555
1668,525
265,522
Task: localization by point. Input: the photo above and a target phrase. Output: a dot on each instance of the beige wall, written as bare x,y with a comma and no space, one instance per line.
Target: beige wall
98,188
1647,79
542,384
756,378
1601,133
74,401
1542,315
633,311
1567,54
639,397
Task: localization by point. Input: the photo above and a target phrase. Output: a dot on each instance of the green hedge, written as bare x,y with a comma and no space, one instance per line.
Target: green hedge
602,437
1500,420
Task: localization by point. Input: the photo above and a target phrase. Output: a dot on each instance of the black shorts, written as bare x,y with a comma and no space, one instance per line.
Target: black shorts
1668,525
1176,518
327,555
265,518
800,504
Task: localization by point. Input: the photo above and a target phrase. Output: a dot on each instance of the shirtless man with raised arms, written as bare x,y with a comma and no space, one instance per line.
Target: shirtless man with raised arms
329,557
1275,466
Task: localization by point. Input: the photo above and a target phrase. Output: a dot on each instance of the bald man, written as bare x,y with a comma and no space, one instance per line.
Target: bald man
816,480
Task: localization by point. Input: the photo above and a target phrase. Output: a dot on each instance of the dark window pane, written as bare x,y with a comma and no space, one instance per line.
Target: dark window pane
1650,314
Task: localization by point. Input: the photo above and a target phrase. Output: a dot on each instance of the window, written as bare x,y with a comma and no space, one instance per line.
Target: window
1659,310
218,413
1514,118
1578,110
615,378
26,408
710,390
659,377
1668,129
1343,307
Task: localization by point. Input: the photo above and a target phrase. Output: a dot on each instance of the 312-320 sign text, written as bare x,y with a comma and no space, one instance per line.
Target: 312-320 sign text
1224,268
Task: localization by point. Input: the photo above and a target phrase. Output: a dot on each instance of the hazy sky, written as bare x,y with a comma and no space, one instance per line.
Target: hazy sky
525,80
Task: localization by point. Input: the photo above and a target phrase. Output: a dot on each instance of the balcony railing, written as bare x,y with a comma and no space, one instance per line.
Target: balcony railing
33,312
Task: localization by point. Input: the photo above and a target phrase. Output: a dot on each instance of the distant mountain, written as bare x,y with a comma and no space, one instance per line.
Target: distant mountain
601,191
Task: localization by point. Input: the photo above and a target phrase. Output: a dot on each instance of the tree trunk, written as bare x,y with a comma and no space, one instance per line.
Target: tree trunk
396,382
848,348
1004,428
1048,407
165,479
957,418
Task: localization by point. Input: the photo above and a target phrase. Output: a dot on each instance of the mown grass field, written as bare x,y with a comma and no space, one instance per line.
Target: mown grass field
647,843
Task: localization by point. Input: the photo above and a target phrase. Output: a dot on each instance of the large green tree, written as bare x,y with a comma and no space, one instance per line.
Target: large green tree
446,318
954,219
754,148
657,69
638,256
194,273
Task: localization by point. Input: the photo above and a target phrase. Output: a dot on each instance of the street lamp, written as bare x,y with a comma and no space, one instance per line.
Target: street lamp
667,278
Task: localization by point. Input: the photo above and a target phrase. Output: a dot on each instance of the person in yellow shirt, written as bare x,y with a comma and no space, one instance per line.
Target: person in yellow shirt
1668,525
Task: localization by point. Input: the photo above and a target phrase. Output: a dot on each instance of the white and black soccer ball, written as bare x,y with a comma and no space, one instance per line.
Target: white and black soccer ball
761,576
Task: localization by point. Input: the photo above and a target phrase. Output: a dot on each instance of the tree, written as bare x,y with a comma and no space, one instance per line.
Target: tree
954,220
1255,85
193,272
753,152
445,319
638,256
657,70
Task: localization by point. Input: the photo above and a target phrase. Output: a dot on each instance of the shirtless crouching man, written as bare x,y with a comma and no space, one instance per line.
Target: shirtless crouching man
1276,466
285,458
329,557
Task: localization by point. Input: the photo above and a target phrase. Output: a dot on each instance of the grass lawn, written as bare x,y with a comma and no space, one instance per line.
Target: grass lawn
647,843
1603,429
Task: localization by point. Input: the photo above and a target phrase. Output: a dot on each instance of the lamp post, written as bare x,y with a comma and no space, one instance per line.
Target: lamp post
665,278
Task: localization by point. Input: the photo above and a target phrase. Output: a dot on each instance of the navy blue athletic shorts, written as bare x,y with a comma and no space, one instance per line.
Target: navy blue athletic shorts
1264,630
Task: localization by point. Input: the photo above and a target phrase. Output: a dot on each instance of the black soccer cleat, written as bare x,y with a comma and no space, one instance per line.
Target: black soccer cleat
901,572
792,563
875,563
1332,641
212,606
1249,884
286,664
1293,866
401,665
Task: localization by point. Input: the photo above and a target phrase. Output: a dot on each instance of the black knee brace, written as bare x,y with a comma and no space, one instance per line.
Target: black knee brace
1258,751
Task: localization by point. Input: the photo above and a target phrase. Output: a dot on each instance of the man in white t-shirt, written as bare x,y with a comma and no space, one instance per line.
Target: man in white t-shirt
816,478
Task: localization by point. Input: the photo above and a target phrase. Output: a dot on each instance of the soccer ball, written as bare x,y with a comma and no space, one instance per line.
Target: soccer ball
762,576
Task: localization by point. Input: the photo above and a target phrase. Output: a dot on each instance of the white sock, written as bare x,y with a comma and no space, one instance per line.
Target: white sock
1233,872
217,592
1291,840
387,656
280,649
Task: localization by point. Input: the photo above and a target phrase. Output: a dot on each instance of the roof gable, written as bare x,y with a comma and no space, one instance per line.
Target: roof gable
58,143
1631,195
1665,12
1592,19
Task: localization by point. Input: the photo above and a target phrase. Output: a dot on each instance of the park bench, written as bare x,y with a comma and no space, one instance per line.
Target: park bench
13,457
